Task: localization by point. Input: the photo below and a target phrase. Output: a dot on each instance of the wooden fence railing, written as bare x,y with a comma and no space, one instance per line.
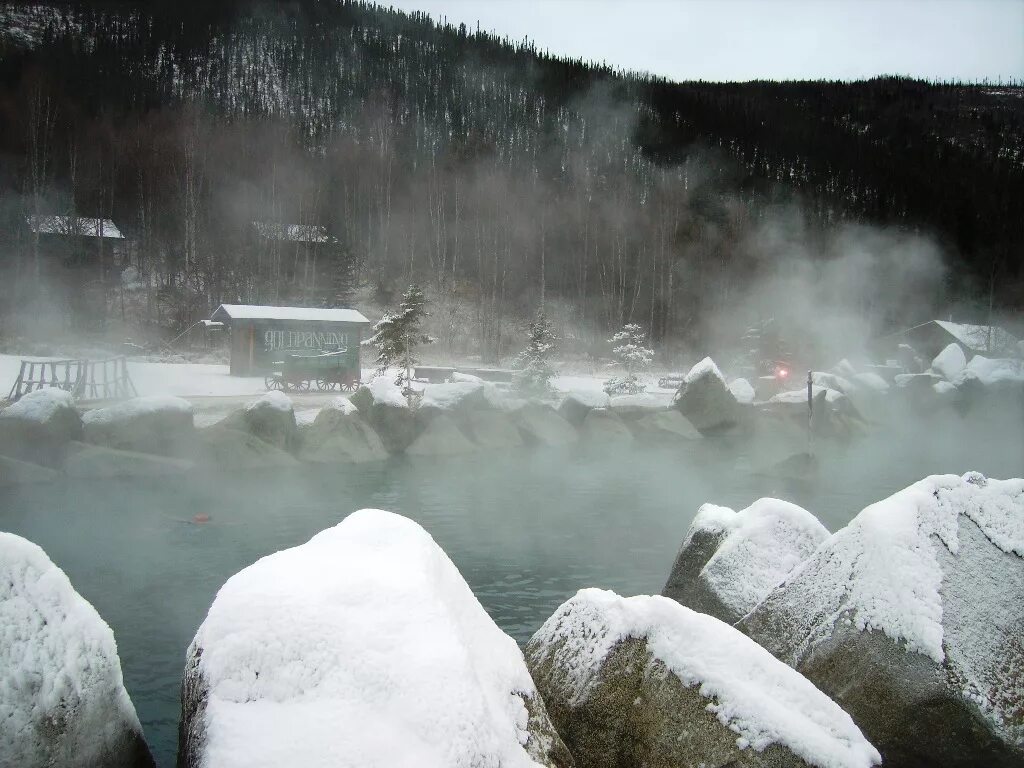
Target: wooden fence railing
84,379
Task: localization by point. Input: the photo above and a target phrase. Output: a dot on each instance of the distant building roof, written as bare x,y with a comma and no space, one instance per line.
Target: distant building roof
307,314
78,226
296,233
979,338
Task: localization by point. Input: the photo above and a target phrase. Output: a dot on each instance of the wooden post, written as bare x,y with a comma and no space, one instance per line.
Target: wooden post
810,413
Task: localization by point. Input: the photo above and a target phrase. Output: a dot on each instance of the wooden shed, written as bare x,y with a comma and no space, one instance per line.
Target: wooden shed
262,335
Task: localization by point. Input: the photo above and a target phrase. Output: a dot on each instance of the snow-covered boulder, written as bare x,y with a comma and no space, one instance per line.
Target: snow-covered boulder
602,428
382,404
706,401
339,435
950,362
452,399
17,472
730,561
871,382
743,391
441,436
644,681
38,426
911,617
154,424
362,647
576,405
220,448
540,424
493,430
845,369
663,427
992,371
62,700
832,381
84,460
271,418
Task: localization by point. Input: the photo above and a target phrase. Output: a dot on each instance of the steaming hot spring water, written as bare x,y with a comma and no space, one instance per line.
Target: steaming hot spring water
527,530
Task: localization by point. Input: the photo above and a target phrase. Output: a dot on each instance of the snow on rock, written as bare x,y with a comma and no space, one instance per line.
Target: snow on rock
729,561
362,647
990,371
453,396
385,392
911,617
706,401
464,378
383,406
797,396
38,426
742,391
273,400
62,699
343,405
271,418
832,381
872,382
153,424
40,405
845,369
645,681
950,362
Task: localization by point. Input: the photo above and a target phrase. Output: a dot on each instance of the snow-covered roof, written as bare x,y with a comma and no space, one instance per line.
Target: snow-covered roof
979,338
307,314
296,233
79,226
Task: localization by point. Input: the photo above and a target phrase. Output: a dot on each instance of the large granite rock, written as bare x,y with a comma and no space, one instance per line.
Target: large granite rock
157,424
911,617
441,437
382,405
363,647
707,402
602,428
339,435
666,427
492,430
62,700
576,405
39,426
458,399
540,424
221,448
82,460
643,681
271,418
730,561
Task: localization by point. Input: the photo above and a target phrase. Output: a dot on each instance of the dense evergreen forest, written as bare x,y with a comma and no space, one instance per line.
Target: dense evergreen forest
498,176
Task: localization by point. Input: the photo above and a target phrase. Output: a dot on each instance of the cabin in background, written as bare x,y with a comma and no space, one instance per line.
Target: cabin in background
262,335
930,338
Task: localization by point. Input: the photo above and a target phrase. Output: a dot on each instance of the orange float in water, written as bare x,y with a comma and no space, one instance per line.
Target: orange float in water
201,518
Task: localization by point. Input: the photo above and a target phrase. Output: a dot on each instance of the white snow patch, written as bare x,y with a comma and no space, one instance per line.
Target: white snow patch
58,658
39,405
943,387
386,392
448,396
762,545
464,378
750,691
342,404
950,362
274,400
137,406
705,367
365,646
882,569
742,391
991,371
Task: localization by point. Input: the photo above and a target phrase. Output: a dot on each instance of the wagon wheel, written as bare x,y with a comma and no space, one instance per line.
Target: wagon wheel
302,385
326,385
350,385
272,382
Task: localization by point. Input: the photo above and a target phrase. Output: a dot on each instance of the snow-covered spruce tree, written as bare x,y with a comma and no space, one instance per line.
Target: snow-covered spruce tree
533,372
632,357
397,335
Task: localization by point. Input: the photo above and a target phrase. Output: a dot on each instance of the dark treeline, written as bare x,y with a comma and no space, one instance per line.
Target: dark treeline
498,176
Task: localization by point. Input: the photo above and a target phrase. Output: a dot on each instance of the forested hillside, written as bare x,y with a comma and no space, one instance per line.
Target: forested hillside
499,177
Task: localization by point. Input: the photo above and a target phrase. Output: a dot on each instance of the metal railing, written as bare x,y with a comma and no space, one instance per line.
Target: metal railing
84,379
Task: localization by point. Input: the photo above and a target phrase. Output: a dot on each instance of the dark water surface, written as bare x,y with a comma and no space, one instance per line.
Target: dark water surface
526,530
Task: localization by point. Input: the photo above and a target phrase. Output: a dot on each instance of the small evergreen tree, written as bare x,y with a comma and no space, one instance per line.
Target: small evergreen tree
397,335
632,356
533,372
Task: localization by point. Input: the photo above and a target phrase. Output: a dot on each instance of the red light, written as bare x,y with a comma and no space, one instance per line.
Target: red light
782,373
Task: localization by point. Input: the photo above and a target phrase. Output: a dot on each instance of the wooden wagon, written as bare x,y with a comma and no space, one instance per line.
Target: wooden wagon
324,370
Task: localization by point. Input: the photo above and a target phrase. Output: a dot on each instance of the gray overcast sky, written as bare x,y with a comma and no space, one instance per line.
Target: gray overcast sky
771,39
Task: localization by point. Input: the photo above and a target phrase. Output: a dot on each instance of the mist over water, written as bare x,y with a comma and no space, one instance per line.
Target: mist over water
526,529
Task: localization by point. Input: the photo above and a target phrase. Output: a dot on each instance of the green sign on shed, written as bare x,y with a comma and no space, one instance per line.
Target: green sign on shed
261,336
